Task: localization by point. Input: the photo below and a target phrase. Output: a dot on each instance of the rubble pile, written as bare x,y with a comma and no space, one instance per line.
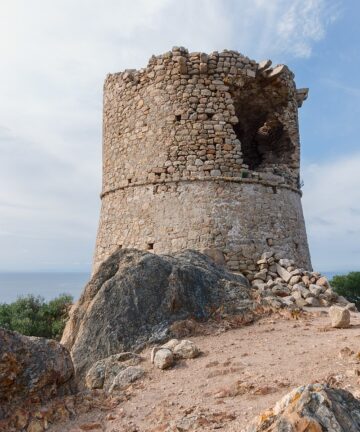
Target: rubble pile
276,276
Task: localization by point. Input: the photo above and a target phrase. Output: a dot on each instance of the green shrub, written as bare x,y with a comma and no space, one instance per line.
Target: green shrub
348,286
32,316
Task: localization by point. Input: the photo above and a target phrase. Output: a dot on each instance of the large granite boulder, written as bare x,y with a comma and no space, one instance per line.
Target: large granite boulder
32,366
136,295
312,408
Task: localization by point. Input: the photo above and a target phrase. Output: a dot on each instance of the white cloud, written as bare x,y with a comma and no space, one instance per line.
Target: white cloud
331,204
283,28
55,56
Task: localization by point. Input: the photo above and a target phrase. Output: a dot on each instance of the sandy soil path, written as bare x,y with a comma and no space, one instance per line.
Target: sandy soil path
240,373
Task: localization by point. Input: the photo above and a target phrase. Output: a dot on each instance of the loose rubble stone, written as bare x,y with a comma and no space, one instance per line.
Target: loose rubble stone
297,285
186,349
311,408
127,376
284,274
314,289
351,307
340,317
171,344
323,282
103,372
163,358
312,301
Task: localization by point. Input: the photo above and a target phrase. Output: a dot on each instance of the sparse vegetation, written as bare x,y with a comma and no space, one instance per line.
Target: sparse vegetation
33,316
348,286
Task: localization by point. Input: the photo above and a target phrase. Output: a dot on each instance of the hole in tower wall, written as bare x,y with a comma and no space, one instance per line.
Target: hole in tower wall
178,117
150,246
265,142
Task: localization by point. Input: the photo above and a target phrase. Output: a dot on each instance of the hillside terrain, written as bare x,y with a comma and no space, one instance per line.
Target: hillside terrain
240,373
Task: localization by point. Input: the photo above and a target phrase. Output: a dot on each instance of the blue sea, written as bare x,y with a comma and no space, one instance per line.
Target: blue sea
46,285
50,285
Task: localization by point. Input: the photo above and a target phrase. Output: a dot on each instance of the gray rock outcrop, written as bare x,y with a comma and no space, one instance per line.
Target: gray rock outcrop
32,366
103,373
136,295
312,408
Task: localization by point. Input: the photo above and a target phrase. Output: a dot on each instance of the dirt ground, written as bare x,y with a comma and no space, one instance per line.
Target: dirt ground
240,373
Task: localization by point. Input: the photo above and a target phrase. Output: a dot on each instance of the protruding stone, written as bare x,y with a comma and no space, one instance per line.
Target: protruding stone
276,72
264,64
301,95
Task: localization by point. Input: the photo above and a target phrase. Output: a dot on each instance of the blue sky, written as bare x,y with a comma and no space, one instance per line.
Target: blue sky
55,56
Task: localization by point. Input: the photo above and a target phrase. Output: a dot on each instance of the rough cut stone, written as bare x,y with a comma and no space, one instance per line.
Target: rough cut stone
284,262
267,255
314,289
323,282
283,273
340,317
312,301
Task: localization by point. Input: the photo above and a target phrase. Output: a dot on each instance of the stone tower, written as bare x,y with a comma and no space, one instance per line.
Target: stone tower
202,152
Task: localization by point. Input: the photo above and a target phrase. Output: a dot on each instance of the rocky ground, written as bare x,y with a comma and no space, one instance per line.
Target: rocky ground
240,373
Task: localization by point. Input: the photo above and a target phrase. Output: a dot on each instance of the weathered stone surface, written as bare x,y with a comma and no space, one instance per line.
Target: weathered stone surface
315,289
103,372
126,377
214,141
283,273
32,366
186,349
312,301
311,408
340,317
136,295
171,344
281,290
351,307
163,358
323,282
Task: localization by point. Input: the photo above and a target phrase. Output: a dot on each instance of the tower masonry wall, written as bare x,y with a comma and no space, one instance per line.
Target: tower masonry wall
202,151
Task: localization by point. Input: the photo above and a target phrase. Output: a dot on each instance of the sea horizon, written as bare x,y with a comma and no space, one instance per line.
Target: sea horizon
50,284
47,284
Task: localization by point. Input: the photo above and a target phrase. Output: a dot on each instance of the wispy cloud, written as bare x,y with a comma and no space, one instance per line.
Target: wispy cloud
335,84
283,28
332,210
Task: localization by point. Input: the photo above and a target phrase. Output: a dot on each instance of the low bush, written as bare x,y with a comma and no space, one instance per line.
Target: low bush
33,316
347,286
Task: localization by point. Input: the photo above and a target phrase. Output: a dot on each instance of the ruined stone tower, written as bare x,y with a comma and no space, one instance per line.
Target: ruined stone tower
202,151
